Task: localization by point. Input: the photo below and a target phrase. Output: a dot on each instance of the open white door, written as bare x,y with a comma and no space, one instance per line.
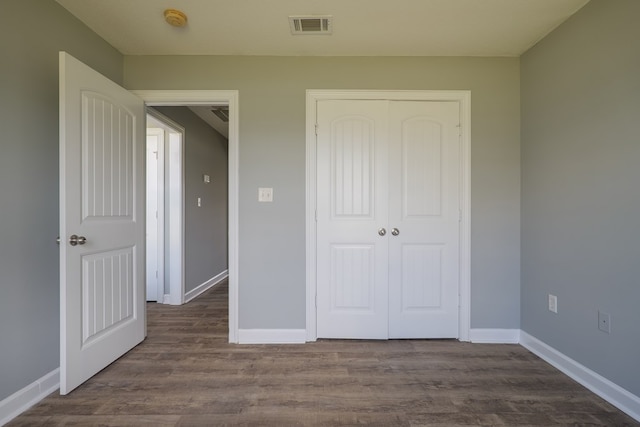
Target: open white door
102,184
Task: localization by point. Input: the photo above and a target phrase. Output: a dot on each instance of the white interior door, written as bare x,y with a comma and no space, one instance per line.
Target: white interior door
393,167
352,205
424,218
102,303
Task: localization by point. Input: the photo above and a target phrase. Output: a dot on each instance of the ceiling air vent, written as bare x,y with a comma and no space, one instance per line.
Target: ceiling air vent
222,113
311,24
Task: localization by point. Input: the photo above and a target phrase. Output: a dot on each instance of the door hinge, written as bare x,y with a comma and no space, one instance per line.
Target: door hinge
316,215
316,129
316,301
459,130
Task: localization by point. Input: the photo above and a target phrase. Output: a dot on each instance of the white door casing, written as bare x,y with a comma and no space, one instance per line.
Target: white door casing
155,210
215,97
456,209
171,183
102,292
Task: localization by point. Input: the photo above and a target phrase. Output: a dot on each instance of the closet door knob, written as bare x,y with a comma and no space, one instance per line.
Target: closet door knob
382,231
77,240
395,231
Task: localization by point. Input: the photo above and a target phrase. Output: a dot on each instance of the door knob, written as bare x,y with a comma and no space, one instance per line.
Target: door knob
395,231
77,240
382,231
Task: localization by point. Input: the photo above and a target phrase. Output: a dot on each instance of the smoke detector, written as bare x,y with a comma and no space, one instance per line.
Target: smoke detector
175,17
320,24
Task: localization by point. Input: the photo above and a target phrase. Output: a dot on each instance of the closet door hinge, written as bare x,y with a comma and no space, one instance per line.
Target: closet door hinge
316,129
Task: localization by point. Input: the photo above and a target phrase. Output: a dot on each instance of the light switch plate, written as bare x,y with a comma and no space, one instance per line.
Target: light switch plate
265,194
206,178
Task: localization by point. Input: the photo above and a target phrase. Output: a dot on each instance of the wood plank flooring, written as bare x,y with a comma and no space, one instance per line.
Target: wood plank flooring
186,374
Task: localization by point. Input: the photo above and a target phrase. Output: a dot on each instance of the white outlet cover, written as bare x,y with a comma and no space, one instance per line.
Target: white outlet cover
265,194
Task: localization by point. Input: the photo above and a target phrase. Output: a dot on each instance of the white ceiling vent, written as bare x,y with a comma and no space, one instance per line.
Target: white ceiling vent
311,24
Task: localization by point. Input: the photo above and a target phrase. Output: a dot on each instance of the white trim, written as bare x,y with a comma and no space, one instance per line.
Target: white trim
205,286
494,336
166,299
155,191
208,97
272,336
175,240
173,144
619,397
23,399
461,96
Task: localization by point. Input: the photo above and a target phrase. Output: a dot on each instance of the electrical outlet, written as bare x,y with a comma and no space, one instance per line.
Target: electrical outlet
604,322
553,303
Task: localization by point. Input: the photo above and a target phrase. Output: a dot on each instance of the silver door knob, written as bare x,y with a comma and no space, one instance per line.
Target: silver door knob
77,240
395,231
382,231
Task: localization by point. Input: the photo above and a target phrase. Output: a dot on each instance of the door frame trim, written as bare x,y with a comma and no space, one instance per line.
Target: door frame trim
463,97
207,97
174,240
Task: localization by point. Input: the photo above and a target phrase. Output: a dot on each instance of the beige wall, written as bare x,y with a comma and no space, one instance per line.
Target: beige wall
272,154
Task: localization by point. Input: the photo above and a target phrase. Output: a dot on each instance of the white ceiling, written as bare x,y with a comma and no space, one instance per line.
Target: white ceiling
360,27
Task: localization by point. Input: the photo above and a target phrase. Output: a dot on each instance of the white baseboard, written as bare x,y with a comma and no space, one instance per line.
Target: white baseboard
494,336
22,400
205,286
622,399
166,299
272,336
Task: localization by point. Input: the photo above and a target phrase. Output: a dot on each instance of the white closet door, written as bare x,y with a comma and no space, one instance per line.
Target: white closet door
392,166
352,292
424,208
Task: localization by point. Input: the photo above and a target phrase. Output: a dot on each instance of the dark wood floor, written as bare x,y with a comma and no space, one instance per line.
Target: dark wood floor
185,373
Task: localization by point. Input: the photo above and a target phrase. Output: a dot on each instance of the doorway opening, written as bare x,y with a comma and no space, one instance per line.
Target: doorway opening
196,98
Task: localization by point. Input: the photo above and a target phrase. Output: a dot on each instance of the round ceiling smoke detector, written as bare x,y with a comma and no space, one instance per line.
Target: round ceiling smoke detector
175,17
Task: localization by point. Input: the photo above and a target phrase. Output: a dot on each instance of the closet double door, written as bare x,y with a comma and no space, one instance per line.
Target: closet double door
388,219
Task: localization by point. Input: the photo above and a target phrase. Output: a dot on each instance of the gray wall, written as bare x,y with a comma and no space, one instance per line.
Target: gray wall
205,152
580,180
29,270
272,154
